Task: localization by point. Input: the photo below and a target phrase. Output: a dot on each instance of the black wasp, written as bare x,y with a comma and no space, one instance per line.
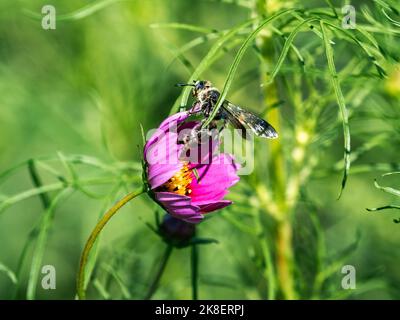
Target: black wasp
206,98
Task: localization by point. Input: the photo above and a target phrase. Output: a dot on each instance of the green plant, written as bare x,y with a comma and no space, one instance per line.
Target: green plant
318,83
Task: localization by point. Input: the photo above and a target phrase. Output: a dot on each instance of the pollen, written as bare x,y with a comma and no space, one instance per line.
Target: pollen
180,182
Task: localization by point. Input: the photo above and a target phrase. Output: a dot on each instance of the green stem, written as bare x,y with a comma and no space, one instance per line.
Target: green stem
93,236
156,280
277,164
269,269
195,271
40,244
31,237
285,260
44,197
51,187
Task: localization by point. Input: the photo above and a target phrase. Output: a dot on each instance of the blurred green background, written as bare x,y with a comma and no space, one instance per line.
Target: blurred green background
86,87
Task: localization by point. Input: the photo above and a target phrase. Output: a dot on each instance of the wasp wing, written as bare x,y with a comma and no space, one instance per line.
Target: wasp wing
243,118
234,122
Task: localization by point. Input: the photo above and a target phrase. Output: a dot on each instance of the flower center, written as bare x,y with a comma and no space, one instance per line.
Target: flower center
180,182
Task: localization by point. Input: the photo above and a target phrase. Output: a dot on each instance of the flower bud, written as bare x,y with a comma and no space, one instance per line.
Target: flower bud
176,231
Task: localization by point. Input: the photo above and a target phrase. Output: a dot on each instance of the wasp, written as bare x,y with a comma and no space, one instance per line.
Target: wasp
207,95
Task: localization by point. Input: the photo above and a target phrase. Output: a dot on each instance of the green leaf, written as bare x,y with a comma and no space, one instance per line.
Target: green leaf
183,26
21,259
242,50
179,53
390,206
207,61
286,47
101,289
15,168
84,12
391,173
40,246
367,146
390,190
241,3
124,289
75,178
196,174
143,135
196,240
337,262
28,194
313,29
9,273
330,4
342,106
381,71
294,48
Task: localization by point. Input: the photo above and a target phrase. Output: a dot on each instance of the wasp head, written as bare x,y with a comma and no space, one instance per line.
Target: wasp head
200,86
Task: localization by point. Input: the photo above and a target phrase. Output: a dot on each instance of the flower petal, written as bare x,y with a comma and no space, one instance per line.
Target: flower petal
216,205
168,125
179,206
214,180
162,159
162,151
175,119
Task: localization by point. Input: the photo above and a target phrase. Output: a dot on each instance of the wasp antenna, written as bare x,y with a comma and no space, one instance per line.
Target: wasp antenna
184,85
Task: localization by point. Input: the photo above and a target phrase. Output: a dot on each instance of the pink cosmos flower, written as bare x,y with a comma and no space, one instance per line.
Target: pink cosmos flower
187,181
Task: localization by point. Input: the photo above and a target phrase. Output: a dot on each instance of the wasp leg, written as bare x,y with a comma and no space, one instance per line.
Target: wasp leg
196,108
224,125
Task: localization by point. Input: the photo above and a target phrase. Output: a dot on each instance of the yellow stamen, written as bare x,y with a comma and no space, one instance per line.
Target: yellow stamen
180,182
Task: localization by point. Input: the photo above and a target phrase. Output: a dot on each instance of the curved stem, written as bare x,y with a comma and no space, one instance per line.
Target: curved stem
44,197
195,271
159,273
93,236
